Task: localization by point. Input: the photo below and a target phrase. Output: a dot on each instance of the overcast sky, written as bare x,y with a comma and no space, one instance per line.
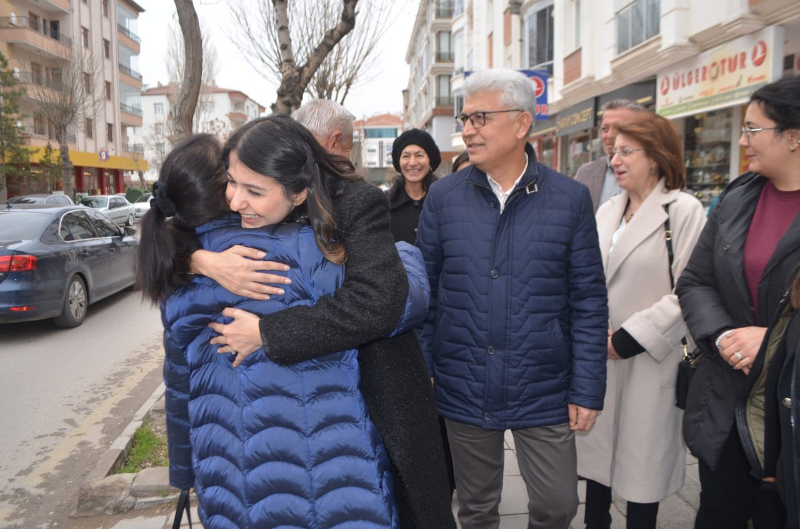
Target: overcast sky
383,94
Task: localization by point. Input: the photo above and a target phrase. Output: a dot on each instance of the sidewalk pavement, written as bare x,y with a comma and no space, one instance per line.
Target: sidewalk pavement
676,512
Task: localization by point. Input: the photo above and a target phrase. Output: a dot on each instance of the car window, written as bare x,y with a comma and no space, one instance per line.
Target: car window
143,198
25,200
76,227
19,225
50,200
94,202
64,200
102,225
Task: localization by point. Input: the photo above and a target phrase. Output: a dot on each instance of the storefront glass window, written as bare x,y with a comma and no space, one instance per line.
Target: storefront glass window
708,153
547,156
577,151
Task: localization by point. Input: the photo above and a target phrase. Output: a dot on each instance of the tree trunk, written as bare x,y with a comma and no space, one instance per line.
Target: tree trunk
294,79
193,68
66,163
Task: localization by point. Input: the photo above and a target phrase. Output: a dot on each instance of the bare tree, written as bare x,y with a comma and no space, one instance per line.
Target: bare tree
174,60
192,70
66,92
309,46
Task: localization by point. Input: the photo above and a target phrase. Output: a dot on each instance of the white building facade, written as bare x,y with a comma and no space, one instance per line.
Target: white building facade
220,111
428,100
692,61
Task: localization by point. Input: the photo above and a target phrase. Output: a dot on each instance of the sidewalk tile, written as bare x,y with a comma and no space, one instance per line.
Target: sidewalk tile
510,464
515,496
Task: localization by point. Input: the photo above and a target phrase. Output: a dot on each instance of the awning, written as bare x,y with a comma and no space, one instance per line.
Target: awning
92,159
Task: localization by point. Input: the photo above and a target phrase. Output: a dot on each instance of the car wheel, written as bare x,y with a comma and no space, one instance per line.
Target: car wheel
75,304
129,222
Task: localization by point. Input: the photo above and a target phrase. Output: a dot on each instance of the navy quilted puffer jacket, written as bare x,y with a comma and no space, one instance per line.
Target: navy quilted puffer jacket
519,317
266,445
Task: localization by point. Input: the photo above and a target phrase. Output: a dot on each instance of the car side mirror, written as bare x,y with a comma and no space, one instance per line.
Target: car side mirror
129,231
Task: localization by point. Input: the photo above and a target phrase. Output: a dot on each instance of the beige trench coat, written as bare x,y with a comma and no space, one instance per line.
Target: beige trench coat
636,446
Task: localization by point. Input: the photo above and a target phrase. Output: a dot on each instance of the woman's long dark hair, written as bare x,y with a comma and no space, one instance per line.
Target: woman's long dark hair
190,191
282,149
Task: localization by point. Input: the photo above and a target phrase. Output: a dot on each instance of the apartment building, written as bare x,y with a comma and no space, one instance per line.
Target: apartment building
219,111
42,39
692,61
373,138
428,99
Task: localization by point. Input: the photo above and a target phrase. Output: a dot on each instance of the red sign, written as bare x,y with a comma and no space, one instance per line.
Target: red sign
538,86
759,53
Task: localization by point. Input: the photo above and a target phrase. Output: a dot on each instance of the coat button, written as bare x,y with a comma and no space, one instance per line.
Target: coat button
726,247
787,402
416,204
495,274
490,350
487,416
493,204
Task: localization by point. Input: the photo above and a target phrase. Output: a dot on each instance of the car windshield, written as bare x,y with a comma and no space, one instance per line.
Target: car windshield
144,198
26,200
95,202
18,225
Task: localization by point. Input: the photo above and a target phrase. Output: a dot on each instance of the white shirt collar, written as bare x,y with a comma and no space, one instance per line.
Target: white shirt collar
497,189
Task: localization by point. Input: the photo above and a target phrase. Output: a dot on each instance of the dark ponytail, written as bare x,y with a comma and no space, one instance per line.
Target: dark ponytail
284,150
190,191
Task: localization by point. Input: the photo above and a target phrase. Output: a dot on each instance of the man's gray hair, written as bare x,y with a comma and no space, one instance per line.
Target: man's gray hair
515,88
622,103
323,117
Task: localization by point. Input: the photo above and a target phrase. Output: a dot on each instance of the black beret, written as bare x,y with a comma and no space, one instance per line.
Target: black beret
416,137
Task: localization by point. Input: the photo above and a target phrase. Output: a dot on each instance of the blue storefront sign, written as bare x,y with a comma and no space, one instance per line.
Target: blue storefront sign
539,80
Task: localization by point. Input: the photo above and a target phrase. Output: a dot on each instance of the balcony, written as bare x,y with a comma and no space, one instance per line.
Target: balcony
35,36
128,71
30,131
39,80
130,109
128,33
130,115
445,56
444,101
133,147
444,10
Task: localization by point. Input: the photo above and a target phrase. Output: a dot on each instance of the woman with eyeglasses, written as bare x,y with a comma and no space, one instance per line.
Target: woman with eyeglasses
744,262
635,446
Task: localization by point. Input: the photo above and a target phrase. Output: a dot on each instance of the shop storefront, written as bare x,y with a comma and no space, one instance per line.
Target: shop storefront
545,141
575,130
705,97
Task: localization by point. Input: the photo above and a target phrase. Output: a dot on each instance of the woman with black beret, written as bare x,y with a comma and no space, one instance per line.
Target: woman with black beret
415,156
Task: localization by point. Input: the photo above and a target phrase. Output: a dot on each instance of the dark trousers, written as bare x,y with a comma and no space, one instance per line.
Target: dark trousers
598,507
730,495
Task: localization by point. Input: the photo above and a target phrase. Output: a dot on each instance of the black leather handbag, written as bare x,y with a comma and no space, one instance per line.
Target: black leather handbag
183,505
688,364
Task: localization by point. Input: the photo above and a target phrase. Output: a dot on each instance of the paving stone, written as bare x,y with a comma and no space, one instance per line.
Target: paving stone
110,495
151,482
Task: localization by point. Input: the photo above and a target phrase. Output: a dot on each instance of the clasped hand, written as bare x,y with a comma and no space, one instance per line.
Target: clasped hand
739,348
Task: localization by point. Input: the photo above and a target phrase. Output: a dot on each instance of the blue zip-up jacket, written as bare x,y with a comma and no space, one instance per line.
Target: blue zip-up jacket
518,324
267,445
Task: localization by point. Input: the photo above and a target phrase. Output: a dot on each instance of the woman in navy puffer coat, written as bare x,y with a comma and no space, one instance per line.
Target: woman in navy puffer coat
264,445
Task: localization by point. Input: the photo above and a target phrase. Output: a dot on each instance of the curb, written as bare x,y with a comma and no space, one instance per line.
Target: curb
105,493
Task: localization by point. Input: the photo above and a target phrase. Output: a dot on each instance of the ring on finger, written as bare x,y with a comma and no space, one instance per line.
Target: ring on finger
738,356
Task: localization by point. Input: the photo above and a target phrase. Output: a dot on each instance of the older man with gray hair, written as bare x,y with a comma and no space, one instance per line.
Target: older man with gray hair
516,338
330,123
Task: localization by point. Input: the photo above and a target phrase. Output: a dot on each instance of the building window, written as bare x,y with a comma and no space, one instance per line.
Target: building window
107,48
39,124
539,36
108,90
105,8
87,82
445,98
158,108
159,128
88,126
444,8
638,22
85,37
444,47
36,73
576,11
458,7
207,106
110,132
458,52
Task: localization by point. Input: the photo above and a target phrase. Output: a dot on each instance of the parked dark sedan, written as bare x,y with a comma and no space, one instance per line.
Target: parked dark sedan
56,261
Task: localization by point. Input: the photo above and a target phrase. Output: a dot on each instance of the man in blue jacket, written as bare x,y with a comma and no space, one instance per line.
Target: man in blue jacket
517,333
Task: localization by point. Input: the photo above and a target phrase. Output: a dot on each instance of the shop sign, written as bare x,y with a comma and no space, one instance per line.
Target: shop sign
539,80
575,118
723,76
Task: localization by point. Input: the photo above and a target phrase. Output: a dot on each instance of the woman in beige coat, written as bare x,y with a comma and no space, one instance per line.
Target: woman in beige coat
635,447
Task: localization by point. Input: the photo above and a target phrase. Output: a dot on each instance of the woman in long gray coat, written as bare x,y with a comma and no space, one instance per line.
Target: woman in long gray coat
635,447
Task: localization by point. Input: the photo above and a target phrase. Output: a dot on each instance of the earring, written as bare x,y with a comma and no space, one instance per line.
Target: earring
652,171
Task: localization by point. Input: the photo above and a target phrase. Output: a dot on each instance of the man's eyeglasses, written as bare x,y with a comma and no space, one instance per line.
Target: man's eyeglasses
624,152
478,119
747,131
